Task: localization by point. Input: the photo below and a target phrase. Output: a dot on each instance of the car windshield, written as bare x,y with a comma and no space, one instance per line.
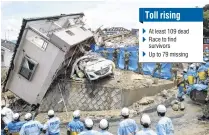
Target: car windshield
94,61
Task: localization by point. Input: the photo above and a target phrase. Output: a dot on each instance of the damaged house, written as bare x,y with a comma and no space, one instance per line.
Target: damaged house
44,47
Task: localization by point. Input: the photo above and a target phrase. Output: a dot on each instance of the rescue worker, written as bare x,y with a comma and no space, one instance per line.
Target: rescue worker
52,126
13,128
31,127
145,122
165,125
126,59
205,109
174,71
104,126
75,126
105,53
206,51
115,56
207,66
127,126
140,68
191,75
89,128
8,114
158,67
181,84
202,73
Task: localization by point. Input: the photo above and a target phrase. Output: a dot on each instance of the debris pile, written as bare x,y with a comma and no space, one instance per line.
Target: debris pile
152,101
176,105
117,38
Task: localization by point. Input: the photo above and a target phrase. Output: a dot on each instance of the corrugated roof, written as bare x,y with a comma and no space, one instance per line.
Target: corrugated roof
8,44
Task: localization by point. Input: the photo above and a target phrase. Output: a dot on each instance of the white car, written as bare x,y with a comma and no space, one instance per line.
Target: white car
99,68
93,66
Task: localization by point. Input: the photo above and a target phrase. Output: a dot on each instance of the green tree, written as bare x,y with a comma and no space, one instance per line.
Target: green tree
206,21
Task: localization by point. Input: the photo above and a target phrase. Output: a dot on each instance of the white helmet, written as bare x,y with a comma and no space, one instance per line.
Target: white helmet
185,70
161,109
103,124
16,116
89,123
50,113
28,116
76,113
145,119
125,112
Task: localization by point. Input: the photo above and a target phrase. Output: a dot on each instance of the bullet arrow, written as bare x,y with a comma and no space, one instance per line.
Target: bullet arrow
143,39
143,54
144,31
141,21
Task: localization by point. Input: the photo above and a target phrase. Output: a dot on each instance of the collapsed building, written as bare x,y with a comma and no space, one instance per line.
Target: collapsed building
116,37
45,47
52,58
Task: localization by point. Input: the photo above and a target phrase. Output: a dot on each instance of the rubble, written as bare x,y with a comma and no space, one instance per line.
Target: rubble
181,106
175,107
149,102
174,102
146,100
116,40
164,93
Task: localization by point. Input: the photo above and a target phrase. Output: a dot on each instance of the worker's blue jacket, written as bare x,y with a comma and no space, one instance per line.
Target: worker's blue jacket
165,127
105,132
146,131
127,126
191,72
31,128
75,126
52,126
14,126
90,132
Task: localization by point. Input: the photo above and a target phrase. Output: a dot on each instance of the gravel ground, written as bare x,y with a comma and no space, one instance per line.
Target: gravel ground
184,121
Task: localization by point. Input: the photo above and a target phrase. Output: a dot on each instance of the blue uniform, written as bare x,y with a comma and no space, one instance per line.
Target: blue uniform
90,132
207,65
14,126
105,132
185,77
75,126
127,127
202,78
191,72
181,90
206,50
52,126
146,131
31,128
202,68
165,126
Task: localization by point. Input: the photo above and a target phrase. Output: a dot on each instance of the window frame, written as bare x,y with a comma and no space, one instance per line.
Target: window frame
69,32
32,61
32,39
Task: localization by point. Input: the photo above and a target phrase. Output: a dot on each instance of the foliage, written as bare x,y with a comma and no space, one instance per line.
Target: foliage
206,21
